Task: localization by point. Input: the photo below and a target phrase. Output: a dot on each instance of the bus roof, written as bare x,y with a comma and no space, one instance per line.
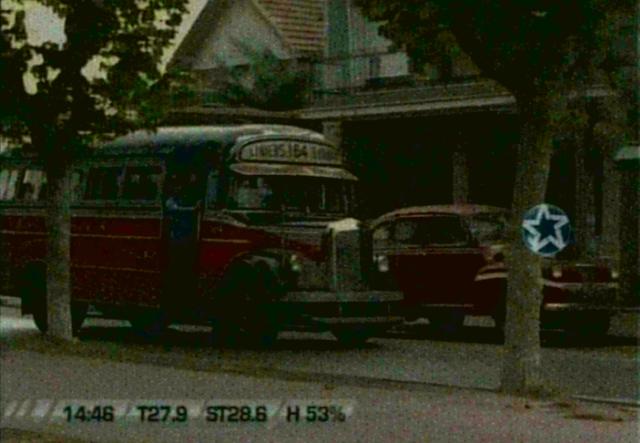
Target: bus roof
166,140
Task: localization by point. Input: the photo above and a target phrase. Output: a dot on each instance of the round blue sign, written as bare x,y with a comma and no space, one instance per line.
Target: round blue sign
546,230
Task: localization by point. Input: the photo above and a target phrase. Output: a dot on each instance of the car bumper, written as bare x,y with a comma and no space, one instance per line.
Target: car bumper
580,296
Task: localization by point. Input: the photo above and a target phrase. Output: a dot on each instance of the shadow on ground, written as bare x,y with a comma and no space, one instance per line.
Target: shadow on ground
489,335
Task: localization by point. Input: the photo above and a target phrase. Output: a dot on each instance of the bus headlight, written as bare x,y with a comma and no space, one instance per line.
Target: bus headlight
615,274
294,264
382,263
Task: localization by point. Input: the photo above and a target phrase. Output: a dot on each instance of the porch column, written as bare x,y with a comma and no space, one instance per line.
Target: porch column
460,176
629,160
610,238
585,219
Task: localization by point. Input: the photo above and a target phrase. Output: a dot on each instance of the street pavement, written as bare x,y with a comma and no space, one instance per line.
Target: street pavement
403,387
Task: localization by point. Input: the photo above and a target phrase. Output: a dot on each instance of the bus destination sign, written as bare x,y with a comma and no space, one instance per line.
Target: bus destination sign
291,151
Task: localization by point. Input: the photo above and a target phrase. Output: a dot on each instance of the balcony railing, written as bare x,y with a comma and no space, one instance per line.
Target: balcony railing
381,70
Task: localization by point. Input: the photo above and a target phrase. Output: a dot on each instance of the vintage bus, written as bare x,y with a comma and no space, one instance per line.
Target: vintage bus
243,226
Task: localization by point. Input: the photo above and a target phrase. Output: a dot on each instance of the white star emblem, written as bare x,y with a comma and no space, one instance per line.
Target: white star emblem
536,242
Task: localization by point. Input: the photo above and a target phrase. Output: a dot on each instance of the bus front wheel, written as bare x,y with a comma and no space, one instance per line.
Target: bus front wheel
242,313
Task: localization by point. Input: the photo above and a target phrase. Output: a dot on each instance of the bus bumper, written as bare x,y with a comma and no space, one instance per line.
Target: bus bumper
326,309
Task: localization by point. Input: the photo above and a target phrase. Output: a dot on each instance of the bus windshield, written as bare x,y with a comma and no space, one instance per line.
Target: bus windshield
291,193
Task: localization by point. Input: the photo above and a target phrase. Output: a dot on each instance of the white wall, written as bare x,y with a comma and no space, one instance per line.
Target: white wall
243,25
368,54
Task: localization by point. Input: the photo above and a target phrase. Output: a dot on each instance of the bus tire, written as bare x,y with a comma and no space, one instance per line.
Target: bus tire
32,289
243,314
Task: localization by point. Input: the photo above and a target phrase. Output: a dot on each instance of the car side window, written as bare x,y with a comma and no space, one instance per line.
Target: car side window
382,233
405,231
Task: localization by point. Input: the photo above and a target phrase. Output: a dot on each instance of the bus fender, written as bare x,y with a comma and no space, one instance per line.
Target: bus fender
264,272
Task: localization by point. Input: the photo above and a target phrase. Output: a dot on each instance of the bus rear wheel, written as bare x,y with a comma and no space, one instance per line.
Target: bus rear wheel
32,289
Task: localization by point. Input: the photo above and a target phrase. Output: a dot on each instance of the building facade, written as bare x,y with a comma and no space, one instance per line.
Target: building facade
439,134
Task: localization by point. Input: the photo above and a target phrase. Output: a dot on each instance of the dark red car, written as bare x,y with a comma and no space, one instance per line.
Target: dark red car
448,260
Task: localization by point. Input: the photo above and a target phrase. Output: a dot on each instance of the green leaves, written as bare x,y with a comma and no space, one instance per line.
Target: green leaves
524,44
98,83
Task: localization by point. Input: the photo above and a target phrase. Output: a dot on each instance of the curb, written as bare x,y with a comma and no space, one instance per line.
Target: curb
360,381
606,400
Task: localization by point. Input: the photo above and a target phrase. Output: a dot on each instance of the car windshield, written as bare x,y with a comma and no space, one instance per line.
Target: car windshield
488,227
432,231
291,193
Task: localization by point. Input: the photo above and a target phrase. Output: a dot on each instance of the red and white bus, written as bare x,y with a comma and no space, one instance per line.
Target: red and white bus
244,226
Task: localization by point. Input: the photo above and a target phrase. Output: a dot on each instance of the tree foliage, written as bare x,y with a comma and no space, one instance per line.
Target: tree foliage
553,57
57,98
121,41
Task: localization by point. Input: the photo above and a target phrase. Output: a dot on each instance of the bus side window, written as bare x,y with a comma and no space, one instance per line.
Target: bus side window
32,186
103,183
212,189
141,183
77,183
8,183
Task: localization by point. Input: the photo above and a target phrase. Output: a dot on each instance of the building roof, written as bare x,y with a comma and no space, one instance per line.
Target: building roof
301,22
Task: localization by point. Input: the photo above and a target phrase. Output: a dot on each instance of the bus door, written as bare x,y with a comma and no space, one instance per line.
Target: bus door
182,203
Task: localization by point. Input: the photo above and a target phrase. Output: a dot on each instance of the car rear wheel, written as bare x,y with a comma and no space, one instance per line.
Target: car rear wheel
588,325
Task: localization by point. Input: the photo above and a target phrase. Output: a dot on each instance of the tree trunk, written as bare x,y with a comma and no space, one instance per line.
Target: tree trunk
58,252
521,364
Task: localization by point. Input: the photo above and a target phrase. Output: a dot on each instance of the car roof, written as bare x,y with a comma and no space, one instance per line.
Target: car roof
461,209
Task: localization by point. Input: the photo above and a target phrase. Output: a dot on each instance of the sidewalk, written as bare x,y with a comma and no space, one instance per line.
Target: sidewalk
382,413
